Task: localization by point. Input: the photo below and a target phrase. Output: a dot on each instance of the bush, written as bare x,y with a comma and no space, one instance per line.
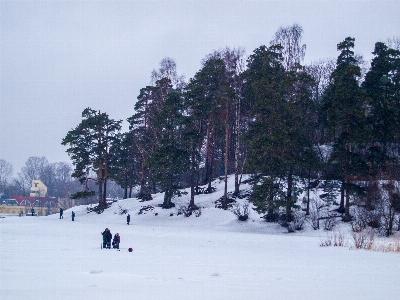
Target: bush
145,209
241,210
297,222
388,246
121,210
330,221
335,239
188,210
363,239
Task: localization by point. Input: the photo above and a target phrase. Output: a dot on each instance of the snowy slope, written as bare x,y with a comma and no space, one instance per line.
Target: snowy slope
213,256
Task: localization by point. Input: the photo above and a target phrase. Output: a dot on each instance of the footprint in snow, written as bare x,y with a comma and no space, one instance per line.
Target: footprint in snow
96,272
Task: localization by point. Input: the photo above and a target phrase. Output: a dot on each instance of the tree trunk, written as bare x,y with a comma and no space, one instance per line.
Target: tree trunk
237,149
126,186
199,151
211,163
207,163
289,195
347,206
308,195
193,182
105,193
225,205
341,205
101,200
130,191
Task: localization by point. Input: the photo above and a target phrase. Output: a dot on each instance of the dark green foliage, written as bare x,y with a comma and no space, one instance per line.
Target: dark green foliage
125,162
89,144
185,136
170,157
280,139
382,87
345,108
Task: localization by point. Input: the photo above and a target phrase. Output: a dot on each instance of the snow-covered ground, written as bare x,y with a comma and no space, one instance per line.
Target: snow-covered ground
213,256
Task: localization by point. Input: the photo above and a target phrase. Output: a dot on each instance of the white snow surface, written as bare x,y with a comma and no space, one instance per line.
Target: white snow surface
213,256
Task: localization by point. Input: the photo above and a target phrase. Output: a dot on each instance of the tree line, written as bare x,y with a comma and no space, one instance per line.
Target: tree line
292,126
56,176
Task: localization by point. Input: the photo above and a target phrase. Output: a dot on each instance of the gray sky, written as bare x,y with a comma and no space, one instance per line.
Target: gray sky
59,57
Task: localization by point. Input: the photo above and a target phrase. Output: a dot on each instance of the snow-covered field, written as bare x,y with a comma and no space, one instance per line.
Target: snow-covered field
213,256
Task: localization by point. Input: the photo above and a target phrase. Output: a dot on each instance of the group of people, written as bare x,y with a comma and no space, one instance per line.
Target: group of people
62,212
107,237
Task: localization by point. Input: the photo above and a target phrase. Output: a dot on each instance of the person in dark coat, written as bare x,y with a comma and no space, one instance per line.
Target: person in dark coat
32,211
107,236
61,213
116,241
73,215
128,219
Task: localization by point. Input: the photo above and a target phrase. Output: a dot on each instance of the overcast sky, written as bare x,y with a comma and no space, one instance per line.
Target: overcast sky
59,57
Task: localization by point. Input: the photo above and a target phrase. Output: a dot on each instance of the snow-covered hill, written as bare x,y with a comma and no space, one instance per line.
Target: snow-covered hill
213,256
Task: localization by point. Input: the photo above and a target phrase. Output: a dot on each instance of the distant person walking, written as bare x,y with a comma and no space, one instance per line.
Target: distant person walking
61,213
32,211
73,215
128,219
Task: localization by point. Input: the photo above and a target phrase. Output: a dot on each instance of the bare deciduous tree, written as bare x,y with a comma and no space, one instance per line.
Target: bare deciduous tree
167,69
321,71
6,171
393,42
35,168
290,39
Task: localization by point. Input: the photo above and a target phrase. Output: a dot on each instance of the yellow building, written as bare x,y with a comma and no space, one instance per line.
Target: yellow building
38,189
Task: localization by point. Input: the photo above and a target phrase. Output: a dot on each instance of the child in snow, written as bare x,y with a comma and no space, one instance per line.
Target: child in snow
116,241
61,213
73,215
128,219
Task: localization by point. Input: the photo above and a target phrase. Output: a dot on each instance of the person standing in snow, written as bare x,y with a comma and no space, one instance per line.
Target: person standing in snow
107,236
73,215
116,241
32,211
128,219
61,213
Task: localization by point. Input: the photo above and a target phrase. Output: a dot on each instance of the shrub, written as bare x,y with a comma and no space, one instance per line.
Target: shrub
145,209
363,239
121,210
392,245
241,210
335,239
188,210
330,221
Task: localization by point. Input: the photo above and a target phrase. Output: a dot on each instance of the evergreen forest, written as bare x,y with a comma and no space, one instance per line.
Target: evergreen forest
333,125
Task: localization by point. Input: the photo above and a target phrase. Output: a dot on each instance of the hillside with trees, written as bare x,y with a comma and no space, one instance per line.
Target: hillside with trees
332,125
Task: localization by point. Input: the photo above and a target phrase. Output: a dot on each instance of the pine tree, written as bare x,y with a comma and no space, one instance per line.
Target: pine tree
170,159
382,87
344,107
279,145
125,162
89,145
208,95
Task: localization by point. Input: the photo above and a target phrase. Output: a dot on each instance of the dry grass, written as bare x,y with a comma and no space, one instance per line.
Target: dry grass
335,239
393,245
362,239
